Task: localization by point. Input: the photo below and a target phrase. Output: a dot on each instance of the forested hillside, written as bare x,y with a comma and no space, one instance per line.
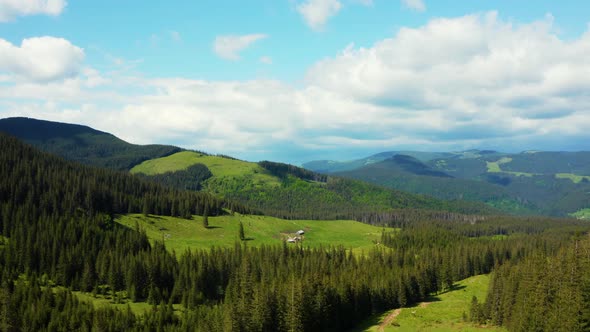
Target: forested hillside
82,144
549,183
59,240
287,191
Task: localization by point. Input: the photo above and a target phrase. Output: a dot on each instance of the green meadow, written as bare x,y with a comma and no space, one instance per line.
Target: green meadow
220,167
575,178
443,312
180,234
495,167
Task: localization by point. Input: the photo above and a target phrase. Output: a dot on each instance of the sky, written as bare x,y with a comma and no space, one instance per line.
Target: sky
301,80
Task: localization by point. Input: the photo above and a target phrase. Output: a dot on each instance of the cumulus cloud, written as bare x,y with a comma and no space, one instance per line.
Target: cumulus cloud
41,58
317,12
454,83
473,72
10,9
230,46
417,5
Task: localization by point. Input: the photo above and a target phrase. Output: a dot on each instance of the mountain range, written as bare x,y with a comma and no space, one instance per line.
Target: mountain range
271,188
543,182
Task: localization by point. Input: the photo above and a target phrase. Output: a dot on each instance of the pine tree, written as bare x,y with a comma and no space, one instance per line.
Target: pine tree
206,217
242,235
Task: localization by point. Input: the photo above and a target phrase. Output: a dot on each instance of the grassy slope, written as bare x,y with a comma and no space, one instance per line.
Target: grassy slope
220,167
494,167
444,313
573,177
582,214
180,234
252,185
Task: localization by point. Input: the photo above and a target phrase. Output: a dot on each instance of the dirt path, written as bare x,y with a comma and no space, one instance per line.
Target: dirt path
424,304
389,319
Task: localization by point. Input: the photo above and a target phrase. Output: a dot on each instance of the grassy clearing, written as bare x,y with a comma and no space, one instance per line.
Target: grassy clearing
220,167
575,178
440,313
583,214
101,301
494,167
180,234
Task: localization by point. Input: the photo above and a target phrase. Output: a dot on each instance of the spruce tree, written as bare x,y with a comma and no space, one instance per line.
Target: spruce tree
242,236
206,217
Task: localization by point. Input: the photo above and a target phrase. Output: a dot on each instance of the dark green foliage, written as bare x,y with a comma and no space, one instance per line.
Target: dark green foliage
544,162
242,235
83,144
190,179
338,198
414,166
540,192
57,218
392,175
547,291
206,217
283,170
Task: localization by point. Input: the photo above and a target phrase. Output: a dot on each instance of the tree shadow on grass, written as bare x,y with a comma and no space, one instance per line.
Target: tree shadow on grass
213,227
452,288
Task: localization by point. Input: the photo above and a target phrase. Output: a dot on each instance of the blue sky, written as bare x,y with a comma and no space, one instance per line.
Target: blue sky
296,80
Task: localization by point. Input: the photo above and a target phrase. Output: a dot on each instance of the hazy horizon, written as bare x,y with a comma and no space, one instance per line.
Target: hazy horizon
296,81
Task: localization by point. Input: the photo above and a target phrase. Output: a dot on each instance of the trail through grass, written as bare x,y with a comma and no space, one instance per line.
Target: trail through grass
443,312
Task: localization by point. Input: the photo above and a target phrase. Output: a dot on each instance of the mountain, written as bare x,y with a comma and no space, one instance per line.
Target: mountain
274,189
82,144
552,183
332,166
408,174
291,192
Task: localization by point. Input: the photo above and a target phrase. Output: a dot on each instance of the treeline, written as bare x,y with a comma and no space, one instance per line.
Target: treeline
51,185
191,178
338,198
544,292
54,242
83,144
282,170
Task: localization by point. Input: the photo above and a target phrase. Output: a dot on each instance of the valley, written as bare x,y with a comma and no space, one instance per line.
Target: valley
189,240
531,182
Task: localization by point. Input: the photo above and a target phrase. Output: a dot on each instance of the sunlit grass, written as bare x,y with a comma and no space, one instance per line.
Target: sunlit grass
443,312
180,234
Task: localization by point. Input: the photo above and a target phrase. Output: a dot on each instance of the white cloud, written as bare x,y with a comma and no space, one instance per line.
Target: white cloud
266,60
229,47
472,81
317,12
417,5
41,58
10,9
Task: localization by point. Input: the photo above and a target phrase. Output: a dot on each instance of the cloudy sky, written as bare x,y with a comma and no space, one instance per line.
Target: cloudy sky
298,80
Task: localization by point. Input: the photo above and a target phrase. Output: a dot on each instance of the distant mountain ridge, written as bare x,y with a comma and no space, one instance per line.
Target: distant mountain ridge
274,189
82,144
553,183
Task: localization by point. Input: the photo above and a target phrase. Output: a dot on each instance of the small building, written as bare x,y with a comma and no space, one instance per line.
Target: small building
300,232
291,240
